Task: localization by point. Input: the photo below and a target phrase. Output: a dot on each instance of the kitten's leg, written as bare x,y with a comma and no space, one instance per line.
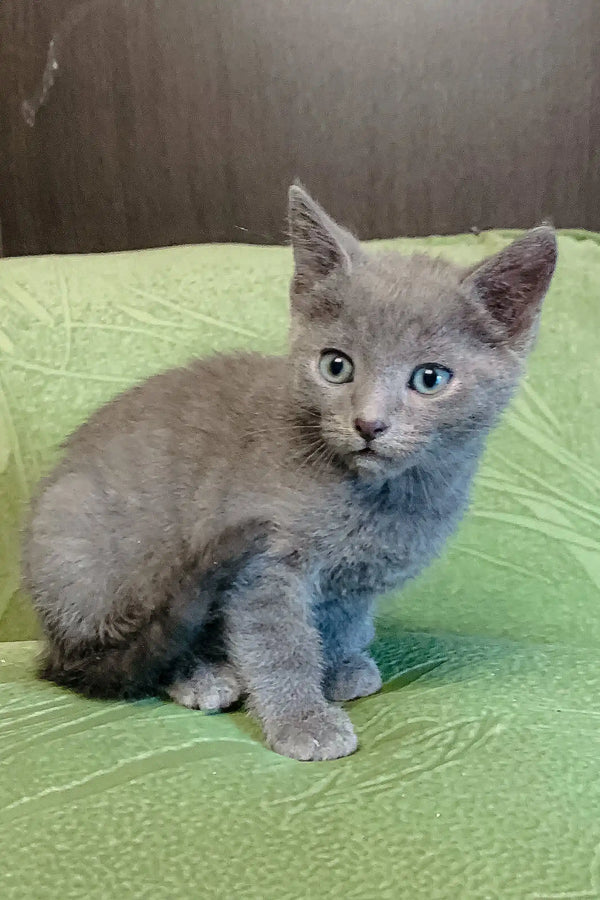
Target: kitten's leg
346,627
276,649
355,676
210,686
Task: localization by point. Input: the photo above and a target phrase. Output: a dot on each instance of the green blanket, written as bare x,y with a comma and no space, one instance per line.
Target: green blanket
478,769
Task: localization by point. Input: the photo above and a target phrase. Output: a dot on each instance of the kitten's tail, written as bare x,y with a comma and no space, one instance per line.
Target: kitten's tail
133,668
142,649
134,650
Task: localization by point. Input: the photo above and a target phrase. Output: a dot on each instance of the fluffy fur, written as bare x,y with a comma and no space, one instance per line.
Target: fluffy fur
216,532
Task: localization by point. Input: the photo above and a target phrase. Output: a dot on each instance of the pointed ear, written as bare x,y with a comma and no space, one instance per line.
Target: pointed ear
512,284
320,245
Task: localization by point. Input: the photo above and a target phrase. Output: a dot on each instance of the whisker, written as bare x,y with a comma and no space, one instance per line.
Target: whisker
282,429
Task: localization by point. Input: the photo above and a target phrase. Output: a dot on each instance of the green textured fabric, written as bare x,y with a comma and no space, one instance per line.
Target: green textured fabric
477,773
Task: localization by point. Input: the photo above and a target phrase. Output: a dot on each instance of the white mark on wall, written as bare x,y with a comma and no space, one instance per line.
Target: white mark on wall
31,107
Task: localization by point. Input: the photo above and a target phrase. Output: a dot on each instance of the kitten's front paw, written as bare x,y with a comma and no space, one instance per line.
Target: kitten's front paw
355,677
326,733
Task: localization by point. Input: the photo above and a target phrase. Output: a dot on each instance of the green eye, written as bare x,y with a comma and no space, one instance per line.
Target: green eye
429,378
336,367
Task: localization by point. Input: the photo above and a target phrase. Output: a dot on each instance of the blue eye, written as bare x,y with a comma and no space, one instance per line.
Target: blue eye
429,378
336,367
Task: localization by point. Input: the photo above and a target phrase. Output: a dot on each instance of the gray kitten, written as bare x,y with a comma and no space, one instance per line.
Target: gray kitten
223,529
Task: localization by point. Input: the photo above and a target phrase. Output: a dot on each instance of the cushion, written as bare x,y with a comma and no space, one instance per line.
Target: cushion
477,769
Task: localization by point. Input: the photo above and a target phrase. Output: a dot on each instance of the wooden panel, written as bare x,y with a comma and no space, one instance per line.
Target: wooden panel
184,120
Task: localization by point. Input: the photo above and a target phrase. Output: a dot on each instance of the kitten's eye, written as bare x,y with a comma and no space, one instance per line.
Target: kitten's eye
336,367
429,379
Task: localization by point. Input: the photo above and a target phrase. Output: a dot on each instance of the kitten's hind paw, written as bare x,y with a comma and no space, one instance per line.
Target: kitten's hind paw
357,676
324,734
211,686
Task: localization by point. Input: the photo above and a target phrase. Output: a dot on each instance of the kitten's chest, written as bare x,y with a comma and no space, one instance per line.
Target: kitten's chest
375,544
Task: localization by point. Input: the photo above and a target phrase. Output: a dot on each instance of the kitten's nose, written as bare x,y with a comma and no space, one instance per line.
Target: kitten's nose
370,430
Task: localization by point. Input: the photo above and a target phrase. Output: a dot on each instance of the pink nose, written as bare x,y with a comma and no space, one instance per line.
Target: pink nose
370,430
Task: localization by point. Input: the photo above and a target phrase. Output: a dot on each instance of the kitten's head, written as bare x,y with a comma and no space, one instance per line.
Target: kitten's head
398,359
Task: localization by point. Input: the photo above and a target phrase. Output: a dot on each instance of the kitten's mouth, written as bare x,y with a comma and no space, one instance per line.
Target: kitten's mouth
369,461
368,453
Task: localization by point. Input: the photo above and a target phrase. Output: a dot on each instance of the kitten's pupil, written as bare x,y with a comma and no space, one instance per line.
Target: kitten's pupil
336,366
430,378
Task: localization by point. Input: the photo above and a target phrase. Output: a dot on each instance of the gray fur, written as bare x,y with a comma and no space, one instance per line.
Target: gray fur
214,531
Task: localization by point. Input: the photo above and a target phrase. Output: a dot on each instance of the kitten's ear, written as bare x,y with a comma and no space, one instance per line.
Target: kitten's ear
320,245
512,284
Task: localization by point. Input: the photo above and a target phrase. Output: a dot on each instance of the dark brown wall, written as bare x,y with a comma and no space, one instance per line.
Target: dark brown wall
184,120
